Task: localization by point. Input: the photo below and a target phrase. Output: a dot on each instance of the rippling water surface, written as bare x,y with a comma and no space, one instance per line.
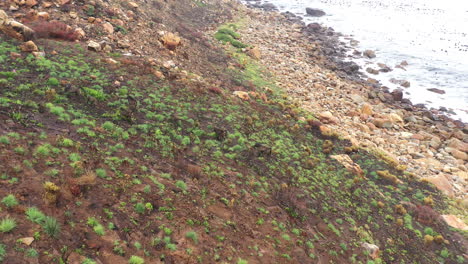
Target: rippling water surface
431,35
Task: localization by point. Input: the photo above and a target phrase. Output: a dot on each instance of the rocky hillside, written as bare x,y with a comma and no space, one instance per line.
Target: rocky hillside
155,132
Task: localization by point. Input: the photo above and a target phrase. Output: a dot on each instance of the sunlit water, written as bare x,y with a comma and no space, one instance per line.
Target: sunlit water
431,35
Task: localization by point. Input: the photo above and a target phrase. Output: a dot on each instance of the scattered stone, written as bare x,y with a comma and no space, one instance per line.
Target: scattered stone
382,123
327,117
133,4
44,16
369,54
315,12
108,28
242,95
384,67
94,46
31,3
372,71
435,90
349,164
27,240
373,250
29,46
458,144
402,83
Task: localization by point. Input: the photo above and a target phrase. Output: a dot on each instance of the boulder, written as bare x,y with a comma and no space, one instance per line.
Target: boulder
435,90
108,28
366,109
29,46
315,12
327,117
94,46
369,54
397,94
170,41
458,144
15,29
382,123
441,183
372,71
242,95
349,164
372,249
454,221
254,53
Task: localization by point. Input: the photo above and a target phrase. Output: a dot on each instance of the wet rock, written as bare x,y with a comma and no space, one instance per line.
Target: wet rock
94,46
384,67
435,90
314,27
29,46
403,83
372,71
397,94
369,54
315,12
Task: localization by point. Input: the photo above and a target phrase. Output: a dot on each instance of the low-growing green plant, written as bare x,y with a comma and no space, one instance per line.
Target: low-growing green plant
32,253
51,226
7,224
136,260
35,215
2,252
10,201
192,235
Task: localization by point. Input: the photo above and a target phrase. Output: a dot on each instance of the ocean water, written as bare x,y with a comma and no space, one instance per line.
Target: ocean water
431,35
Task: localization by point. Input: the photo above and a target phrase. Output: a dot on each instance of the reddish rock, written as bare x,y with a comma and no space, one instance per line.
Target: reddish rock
441,183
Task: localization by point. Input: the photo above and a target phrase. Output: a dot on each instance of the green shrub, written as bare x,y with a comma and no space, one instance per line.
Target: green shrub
229,32
136,260
10,201
7,224
53,82
35,215
2,251
51,226
192,235
181,185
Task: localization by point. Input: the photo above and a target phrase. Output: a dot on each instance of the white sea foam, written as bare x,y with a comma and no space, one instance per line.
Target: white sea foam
431,35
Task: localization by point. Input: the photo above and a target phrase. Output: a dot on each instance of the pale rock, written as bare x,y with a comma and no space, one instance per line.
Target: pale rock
80,32
369,54
31,3
435,142
406,134
3,17
366,109
349,164
373,250
94,46
395,118
454,221
27,240
242,95
382,123
457,154
29,46
457,144
108,28
327,117
169,64
43,16
38,54
133,4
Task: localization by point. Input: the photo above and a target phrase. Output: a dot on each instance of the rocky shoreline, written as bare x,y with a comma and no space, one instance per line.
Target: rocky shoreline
306,61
